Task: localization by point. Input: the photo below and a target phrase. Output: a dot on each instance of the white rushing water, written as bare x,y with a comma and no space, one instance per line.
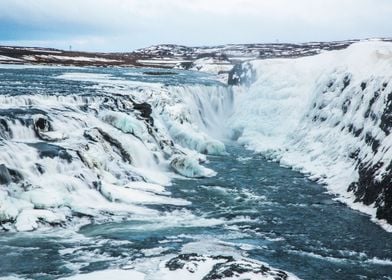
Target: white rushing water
96,155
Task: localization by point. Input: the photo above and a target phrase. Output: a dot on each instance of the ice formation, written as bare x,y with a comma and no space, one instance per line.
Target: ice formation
81,156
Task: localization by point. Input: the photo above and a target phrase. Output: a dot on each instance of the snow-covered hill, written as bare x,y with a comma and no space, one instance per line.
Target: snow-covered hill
328,115
47,56
218,60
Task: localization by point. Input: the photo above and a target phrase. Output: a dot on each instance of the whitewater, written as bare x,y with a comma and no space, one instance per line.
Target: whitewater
143,174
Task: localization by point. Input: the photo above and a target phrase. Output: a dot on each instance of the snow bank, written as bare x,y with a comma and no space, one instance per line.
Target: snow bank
75,58
190,167
327,115
9,59
117,274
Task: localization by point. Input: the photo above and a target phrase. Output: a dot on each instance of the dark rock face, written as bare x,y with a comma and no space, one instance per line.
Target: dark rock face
242,74
180,261
234,75
51,151
224,267
364,115
187,65
233,269
30,117
386,118
5,130
145,111
371,188
42,124
8,176
5,176
97,135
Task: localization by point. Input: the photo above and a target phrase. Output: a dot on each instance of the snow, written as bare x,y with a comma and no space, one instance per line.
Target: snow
75,58
213,66
115,274
9,59
190,167
195,268
34,58
292,112
191,271
134,196
161,62
28,219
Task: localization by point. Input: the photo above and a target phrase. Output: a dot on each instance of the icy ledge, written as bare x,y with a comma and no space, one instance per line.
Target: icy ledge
329,116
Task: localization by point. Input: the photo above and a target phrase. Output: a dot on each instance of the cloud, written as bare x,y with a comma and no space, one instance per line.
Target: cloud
137,23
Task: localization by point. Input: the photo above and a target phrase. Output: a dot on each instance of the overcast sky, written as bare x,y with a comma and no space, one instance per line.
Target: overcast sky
123,25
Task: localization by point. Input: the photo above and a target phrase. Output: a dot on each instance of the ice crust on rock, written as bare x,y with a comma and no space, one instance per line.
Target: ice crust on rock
190,167
193,266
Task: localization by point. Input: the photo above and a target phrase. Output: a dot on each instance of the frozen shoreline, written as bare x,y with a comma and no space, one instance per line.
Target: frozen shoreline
324,115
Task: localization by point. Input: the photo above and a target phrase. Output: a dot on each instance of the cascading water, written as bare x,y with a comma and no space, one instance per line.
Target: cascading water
105,149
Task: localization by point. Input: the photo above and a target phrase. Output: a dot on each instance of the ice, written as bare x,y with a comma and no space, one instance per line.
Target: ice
133,196
126,123
190,167
186,136
315,113
118,274
28,219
